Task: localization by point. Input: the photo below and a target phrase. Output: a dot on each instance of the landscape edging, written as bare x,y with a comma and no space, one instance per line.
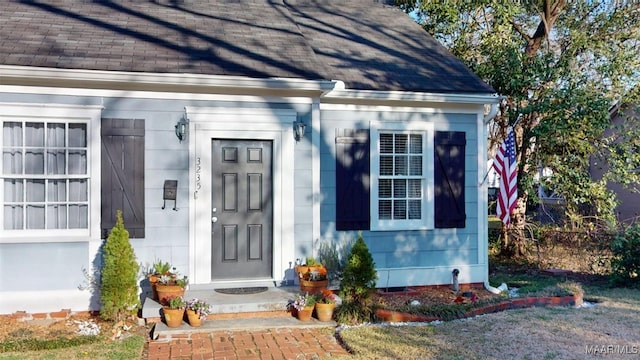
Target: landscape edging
515,303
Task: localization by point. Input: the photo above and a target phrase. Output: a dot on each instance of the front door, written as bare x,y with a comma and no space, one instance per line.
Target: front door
242,209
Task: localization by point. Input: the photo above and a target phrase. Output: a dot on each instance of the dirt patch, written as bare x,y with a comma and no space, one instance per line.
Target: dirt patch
49,329
433,296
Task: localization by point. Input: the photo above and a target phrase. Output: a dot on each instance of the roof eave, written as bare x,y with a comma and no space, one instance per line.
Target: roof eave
26,75
339,95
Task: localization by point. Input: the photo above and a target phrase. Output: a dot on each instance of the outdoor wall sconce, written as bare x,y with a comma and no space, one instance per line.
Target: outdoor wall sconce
181,129
298,128
170,193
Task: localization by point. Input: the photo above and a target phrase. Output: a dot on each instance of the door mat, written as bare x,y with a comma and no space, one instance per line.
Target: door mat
242,291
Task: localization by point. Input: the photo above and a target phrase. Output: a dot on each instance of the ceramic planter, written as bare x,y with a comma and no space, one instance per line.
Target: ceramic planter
313,287
324,312
305,313
173,317
194,318
168,291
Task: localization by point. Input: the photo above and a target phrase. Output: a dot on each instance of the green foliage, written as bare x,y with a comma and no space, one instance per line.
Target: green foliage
357,283
334,256
119,277
558,84
160,267
177,302
625,265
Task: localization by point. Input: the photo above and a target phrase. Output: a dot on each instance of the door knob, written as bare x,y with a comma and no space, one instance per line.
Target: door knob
214,219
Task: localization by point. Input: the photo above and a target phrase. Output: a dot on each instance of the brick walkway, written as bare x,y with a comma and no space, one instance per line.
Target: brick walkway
280,343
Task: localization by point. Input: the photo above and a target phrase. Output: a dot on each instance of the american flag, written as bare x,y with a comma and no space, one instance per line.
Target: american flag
506,167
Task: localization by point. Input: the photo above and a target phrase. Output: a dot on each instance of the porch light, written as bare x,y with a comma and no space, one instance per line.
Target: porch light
299,128
181,129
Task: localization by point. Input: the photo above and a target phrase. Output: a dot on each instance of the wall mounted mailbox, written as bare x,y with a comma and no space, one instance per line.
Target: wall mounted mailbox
170,192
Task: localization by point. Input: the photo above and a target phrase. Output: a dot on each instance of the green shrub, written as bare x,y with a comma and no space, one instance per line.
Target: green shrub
625,265
334,256
357,284
119,277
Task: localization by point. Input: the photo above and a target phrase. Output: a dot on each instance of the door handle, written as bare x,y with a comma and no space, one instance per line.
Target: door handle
214,219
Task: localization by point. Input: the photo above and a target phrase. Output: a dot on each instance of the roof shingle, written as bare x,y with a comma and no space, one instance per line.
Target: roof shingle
366,44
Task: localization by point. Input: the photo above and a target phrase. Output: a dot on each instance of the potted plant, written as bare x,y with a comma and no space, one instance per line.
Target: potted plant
325,304
171,285
174,311
313,279
302,304
309,264
158,269
197,311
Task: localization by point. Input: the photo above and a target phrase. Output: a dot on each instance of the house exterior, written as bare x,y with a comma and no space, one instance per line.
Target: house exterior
184,114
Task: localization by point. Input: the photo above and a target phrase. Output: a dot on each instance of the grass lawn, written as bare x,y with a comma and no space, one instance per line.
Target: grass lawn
129,348
610,328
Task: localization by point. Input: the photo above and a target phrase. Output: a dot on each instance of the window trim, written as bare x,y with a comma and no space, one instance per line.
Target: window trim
427,130
38,112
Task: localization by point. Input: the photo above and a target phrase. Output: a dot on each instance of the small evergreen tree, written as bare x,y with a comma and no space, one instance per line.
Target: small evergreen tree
357,283
119,277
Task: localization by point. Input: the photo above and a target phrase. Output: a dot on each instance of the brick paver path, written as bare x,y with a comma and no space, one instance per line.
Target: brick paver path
285,343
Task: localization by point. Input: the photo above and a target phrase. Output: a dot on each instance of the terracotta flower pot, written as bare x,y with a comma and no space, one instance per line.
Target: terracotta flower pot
173,317
168,291
194,318
305,313
324,312
313,287
153,280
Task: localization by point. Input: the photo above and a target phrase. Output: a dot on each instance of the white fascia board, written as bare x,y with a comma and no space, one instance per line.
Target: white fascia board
29,74
413,97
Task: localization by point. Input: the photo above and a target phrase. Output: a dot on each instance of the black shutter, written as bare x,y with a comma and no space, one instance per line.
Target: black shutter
123,174
352,179
449,179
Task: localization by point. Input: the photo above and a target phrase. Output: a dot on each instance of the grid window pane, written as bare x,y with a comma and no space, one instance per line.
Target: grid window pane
386,165
13,217
34,162
34,134
401,165
384,188
399,188
386,143
77,135
57,191
415,210
384,209
56,162
415,166
78,190
415,188
13,190
35,191
35,216
400,209
56,217
415,144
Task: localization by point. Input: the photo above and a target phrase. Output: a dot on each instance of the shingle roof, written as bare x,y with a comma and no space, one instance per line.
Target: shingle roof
366,44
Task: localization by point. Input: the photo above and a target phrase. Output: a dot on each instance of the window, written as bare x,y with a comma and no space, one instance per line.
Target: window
402,177
46,168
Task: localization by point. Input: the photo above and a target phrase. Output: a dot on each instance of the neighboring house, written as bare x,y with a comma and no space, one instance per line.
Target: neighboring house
628,210
92,94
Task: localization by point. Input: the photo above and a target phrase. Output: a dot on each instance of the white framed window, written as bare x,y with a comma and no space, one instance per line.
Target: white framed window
401,176
48,166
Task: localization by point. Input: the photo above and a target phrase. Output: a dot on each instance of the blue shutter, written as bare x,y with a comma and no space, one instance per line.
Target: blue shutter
352,179
449,179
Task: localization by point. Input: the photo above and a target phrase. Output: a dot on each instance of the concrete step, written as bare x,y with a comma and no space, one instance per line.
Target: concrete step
161,332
